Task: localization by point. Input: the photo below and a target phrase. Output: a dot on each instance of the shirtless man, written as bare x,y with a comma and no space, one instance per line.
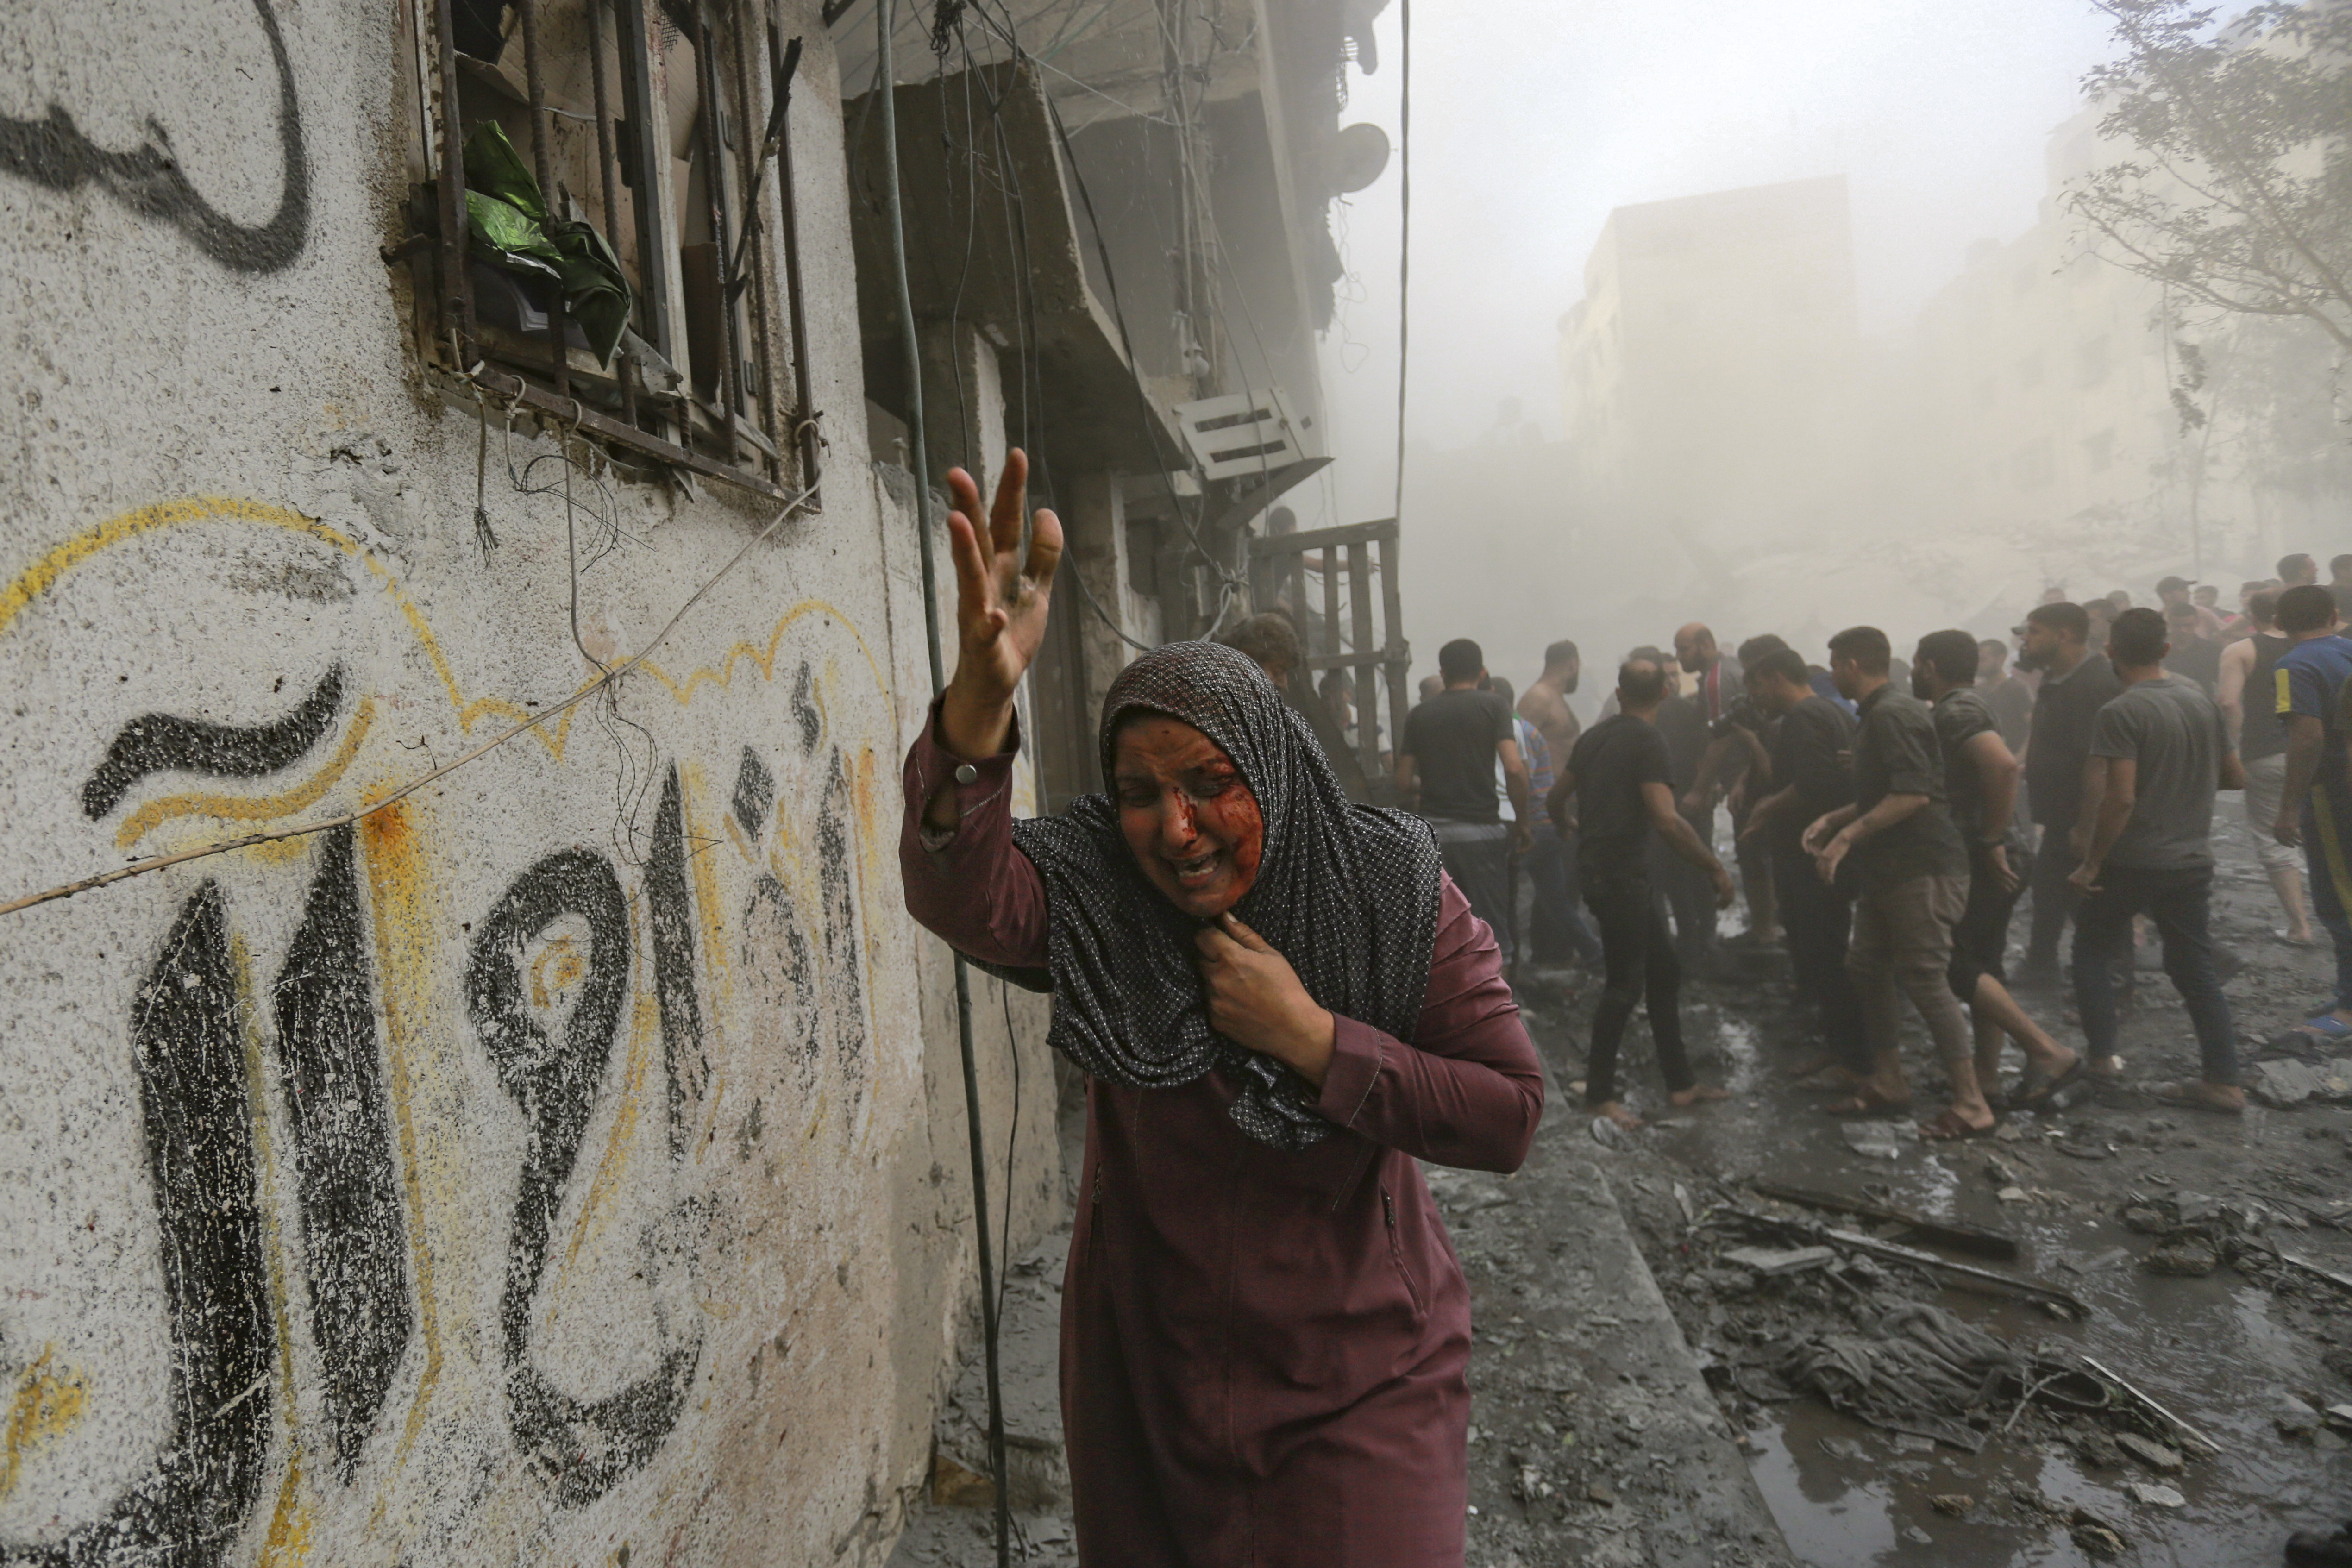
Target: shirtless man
1545,703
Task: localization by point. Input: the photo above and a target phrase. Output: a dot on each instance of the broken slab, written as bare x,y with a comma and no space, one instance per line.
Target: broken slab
1771,1260
2149,1452
2283,1085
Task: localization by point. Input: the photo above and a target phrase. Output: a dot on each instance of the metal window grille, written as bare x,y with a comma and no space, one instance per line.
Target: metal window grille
1349,605
695,383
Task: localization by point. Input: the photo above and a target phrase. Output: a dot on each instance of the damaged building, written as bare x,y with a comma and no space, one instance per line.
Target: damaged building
458,458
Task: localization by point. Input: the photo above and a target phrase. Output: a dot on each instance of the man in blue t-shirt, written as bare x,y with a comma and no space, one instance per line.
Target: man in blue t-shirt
2315,808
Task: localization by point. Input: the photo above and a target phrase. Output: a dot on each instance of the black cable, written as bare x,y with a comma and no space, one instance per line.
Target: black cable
887,87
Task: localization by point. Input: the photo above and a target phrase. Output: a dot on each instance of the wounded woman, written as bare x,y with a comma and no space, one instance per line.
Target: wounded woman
1280,1003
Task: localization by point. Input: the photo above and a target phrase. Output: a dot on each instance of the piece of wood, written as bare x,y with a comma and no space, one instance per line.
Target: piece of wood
1814,1231
2151,1404
1948,1233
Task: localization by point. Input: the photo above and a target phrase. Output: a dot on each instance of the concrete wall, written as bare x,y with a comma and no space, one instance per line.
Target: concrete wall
566,1164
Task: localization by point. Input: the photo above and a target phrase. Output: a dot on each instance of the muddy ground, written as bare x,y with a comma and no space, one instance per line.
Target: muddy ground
1638,1409
2249,1353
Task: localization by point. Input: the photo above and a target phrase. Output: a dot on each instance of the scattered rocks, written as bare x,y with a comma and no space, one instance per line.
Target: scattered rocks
2188,1256
2292,1417
1770,1261
2096,1535
2283,1085
2148,1452
1873,1139
1957,1504
2145,1220
2155,1495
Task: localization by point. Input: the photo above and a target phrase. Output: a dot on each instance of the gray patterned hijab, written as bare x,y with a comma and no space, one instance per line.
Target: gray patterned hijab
1347,893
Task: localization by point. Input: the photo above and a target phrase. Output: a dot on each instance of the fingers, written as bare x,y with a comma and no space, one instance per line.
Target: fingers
1004,518
1044,549
963,496
970,568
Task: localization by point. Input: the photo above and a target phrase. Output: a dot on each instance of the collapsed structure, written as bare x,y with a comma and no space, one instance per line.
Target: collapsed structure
562,1161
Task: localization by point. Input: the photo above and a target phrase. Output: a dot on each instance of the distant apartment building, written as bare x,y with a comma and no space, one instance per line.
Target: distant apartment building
1711,360
2042,407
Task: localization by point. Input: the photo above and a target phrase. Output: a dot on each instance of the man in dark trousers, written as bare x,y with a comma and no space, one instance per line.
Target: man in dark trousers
1912,884
1622,789
2315,801
1811,745
1981,780
2075,684
2159,749
1445,770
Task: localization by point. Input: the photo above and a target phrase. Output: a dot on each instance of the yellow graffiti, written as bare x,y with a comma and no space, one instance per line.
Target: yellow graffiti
292,1516
42,576
252,808
644,1025
556,969
403,938
48,1404
288,1540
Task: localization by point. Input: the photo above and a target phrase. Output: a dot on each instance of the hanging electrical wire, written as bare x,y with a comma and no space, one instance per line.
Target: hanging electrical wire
886,90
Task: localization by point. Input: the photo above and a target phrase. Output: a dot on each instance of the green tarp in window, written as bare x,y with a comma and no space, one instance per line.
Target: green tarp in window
506,217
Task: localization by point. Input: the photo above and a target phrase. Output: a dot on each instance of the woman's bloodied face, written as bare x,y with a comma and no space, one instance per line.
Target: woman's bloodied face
1186,814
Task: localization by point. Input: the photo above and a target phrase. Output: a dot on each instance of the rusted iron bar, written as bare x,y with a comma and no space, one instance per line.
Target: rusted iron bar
747,115
788,199
609,175
714,186
571,411
535,83
456,283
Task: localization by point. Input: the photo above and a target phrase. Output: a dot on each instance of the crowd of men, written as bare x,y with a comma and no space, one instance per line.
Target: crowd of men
1888,815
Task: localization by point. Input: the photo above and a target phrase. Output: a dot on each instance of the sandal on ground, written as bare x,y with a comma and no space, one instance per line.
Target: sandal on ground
2184,1095
2326,1026
1866,1104
2033,1090
1949,1127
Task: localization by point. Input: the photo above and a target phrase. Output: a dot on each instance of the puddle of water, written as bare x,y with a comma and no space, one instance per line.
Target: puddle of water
2212,1350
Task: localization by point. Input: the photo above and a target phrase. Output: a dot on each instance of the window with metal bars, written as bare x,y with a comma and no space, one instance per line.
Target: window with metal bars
602,224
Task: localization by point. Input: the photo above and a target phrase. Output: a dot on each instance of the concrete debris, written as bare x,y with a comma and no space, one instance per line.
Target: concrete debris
2190,1256
1957,1504
2294,1418
1875,1140
2148,1452
2283,1085
1769,1261
2155,1495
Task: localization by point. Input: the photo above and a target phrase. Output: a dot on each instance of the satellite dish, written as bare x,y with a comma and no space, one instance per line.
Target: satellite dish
1358,155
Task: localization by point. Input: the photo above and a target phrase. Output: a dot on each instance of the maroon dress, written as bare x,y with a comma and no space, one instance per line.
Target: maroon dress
1262,1352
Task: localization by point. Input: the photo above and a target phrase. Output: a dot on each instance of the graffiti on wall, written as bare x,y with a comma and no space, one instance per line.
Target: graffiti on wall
53,151
587,986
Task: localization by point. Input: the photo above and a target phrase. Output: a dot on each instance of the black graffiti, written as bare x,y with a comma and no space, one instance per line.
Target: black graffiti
188,1054
672,911
165,742
755,792
582,1446
834,882
777,959
53,151
805,712
352,1224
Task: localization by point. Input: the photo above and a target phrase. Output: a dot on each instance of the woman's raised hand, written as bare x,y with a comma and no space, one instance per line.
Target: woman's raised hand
1001,605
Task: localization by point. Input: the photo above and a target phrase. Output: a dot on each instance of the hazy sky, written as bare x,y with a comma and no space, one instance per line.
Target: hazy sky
1532,119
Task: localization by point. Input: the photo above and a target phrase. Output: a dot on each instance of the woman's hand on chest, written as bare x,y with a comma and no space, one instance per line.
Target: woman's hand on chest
1255,1000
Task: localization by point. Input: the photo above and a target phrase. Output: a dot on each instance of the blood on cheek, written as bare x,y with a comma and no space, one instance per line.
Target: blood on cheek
1233,819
